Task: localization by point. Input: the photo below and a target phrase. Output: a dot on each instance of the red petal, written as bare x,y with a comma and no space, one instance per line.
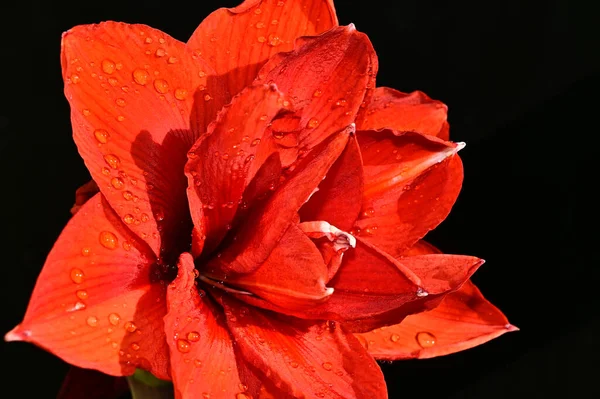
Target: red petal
132,90
411,183
463,320
326,78
413,112
83,194
339,198
265,226
91,384
94,304
304,358
293,276
223,162
203,358
253,32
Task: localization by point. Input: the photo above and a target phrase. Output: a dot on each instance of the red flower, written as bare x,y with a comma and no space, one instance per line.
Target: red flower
260,212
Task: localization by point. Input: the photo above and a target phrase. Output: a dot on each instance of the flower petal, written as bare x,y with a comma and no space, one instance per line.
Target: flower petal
411,183
339,198
326,78
293,276
203,359
463,320
305,358
136,108
91,384
95,304
253,32
265,226
223,162
404,112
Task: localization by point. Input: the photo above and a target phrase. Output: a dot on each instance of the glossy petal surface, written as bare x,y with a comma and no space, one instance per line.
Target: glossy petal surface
95,303
253,32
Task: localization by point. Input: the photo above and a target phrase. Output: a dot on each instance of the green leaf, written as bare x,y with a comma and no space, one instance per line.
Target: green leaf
144,385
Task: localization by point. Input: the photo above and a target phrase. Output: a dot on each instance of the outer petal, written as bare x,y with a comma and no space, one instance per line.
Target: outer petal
136,108
253,32
339,198
411,183
95,304
412,112
253,242
305,359
223,162
463,320
293,276
92,384
203,358
326,78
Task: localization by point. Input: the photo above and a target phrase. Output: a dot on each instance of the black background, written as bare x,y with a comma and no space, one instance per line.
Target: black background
521,80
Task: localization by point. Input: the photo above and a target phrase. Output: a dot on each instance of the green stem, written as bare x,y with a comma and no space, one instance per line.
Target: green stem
144,385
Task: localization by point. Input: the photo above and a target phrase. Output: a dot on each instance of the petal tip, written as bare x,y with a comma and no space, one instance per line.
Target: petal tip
460,145
510,328
17,334
351,27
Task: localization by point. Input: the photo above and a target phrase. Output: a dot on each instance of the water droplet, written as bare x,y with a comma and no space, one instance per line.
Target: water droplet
114,319
161,86
260,25
369,212
159,216
101,135
181,94
257,11
92,321
77,276
262,39
327,366
341,103
425,339
108,240
294,364
130,327
255,142
313,123
114,345
117,183
183,345
242,395
193,336
207,97
274,22
126,245
394,338
128,218
148,40
140,76
120,118
86,251
82,294
317,93
197,362
75,78
120,102
86,112
274,40
144,217
172,60
128,195
112,160
135,346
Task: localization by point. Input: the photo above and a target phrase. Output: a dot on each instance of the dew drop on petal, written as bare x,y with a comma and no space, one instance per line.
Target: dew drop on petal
120,102
108,240
327,366
140,76
425,339
86,251
317,93
82,294
135,346
181,94
313,123
160,52
77,275
128,218
193,336
114,319
255,142
274,40
294,364
130,327
112,160
394,338
117,183
172,60
183,345
128,195
126,245
161,86
101,135
92,321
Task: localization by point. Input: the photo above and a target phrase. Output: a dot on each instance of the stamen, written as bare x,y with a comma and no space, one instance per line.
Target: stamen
221,286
